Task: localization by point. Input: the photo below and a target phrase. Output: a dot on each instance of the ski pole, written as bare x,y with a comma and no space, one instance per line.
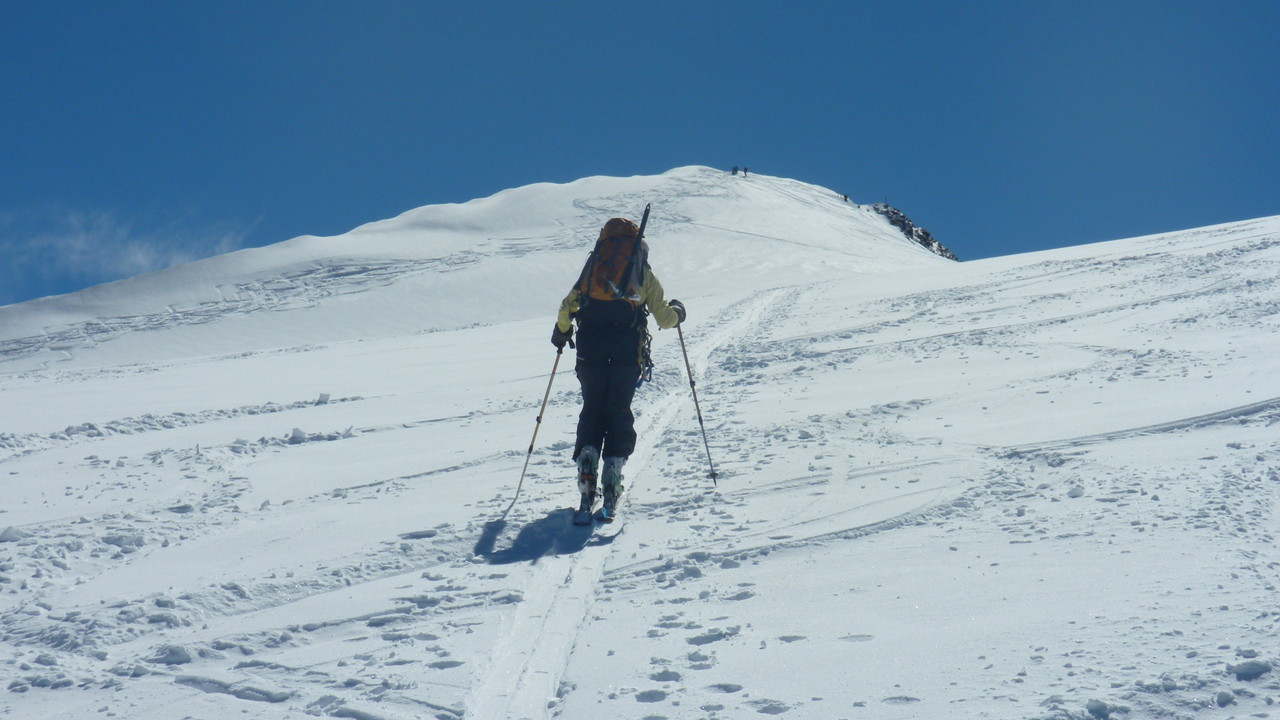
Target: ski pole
694,389
537,426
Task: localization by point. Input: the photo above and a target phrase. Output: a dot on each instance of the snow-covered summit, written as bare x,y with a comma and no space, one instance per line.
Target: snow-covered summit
507,257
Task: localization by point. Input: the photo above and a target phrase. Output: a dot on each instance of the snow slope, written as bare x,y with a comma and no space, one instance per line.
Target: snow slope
282,482
445,267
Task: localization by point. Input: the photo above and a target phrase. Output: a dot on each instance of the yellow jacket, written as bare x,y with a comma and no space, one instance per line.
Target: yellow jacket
650,294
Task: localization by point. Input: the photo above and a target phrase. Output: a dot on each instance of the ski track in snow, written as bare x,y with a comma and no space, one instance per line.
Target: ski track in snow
300,288
532,656
1037,493
1039,487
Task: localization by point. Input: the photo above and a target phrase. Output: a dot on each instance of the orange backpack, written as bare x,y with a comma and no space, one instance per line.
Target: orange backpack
609,285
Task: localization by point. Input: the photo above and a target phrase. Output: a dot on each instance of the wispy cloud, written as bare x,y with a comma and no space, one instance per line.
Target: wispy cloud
49,252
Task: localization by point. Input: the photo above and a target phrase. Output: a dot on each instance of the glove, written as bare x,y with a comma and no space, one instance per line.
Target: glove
560,338
679,308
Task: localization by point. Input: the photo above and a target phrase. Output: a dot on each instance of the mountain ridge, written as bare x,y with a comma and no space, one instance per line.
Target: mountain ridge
494,259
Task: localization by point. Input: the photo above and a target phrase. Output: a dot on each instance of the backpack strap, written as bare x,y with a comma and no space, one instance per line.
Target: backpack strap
585,275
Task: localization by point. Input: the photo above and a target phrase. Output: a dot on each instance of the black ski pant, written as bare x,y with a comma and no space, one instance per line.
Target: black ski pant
608,367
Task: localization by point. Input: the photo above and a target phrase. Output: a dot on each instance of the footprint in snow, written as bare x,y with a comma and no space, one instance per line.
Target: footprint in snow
651,696
770,707
713,635
699,661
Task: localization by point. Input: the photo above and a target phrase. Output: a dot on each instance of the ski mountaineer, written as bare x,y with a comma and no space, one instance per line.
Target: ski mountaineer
614,294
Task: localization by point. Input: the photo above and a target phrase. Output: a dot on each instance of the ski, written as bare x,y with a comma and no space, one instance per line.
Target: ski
583,516
609,510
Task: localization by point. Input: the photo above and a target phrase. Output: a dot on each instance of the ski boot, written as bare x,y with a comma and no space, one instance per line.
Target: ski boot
612,481
588,461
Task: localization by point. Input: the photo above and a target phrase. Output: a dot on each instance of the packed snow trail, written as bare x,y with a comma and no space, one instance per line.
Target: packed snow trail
528,664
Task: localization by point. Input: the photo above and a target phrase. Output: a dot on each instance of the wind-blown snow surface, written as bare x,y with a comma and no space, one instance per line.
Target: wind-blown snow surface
280,483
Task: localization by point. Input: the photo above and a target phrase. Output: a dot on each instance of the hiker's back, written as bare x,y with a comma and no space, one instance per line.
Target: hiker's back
609,285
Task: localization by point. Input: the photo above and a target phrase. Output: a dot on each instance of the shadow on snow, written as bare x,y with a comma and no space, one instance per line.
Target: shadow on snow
554,534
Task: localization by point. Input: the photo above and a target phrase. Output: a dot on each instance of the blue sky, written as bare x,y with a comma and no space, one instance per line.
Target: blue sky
135,135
